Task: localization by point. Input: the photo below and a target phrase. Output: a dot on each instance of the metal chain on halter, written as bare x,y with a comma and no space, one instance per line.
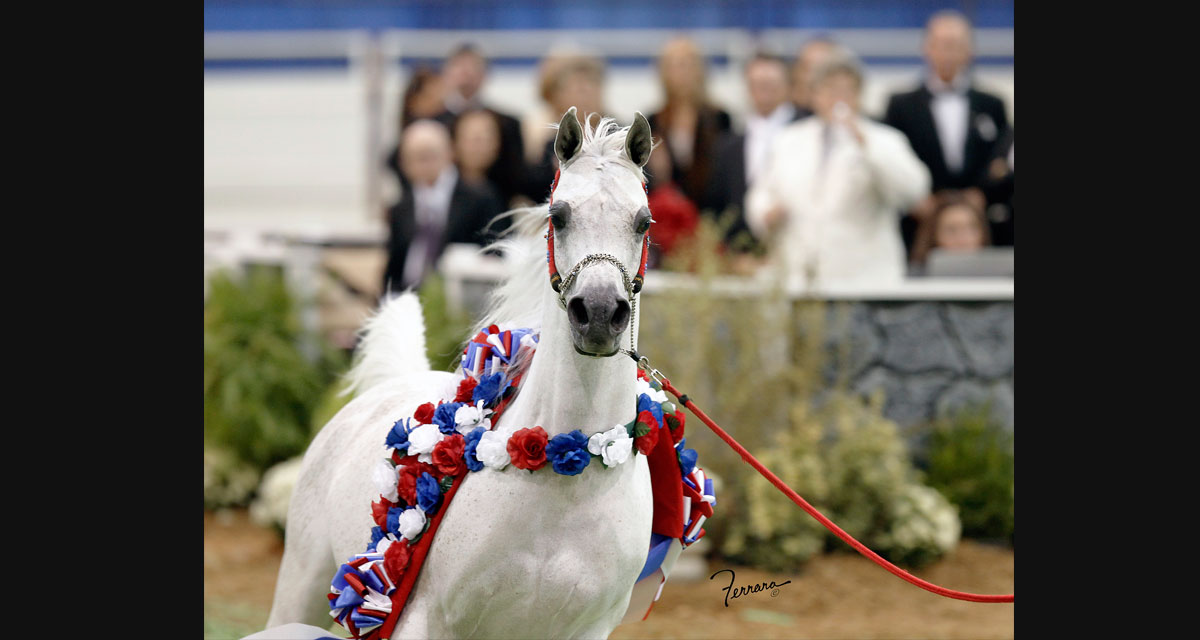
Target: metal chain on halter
632,285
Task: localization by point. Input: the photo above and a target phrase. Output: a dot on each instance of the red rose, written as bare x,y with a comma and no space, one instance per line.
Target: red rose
527,448
675,423
379,511
407,488
395,560
465,390
645,443
448,456
424,413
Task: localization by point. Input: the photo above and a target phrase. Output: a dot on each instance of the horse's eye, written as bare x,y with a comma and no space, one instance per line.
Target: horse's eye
558,215
642,223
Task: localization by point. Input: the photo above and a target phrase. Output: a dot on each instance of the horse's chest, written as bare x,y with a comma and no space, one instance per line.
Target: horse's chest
541,554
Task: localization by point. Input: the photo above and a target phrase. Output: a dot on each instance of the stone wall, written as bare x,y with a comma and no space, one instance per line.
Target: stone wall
930,358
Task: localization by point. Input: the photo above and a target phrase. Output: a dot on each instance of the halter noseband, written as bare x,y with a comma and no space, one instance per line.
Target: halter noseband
632,286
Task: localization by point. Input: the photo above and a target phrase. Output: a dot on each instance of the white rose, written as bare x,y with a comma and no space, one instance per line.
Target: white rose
617,452
412,522
382,545
492,449
598,441
422,440
613,446
386,478
655,395
468,417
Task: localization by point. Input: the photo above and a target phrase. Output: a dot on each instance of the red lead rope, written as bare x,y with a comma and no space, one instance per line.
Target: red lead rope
766,473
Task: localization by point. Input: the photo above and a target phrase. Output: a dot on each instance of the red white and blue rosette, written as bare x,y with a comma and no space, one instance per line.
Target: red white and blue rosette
359,597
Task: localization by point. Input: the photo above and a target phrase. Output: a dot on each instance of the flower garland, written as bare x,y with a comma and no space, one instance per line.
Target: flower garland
436,447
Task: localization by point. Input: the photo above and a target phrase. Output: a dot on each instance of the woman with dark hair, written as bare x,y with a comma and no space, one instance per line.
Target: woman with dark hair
688,122
423,98
957,224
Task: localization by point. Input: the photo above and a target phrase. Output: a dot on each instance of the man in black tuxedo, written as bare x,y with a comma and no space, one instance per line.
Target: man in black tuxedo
952,126
464,74
741,157
436,208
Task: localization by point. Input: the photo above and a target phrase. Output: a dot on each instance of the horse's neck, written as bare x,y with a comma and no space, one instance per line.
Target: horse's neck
564,391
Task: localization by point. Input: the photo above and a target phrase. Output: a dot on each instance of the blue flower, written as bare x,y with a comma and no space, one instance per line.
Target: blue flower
687,459
489,389
376,536
655,409
443,417
473,437
397,438
429,494
568,454
393,519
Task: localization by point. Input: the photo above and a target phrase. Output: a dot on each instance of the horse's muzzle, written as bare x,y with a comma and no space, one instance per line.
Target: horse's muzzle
598,315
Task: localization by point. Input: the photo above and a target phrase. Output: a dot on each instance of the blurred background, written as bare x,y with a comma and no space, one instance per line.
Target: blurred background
831,276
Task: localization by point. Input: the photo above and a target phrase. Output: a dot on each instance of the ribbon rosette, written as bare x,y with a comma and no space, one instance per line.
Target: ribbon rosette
492,350
359,594
698,501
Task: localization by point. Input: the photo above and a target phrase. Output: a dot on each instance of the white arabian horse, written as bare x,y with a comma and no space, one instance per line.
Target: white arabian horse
519,554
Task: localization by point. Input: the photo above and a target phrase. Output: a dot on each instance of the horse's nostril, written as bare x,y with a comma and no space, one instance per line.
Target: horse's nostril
578,312
621,316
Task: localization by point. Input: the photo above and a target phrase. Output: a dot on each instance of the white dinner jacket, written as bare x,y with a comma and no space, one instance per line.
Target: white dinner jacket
842,215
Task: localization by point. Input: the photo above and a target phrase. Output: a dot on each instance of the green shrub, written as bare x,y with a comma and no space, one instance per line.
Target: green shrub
260,388
971,461
228,482
851,463
445,329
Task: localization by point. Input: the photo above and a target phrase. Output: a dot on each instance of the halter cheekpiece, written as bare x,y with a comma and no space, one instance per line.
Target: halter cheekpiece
561,286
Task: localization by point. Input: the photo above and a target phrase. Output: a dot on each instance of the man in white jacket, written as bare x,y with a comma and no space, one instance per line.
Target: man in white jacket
829,199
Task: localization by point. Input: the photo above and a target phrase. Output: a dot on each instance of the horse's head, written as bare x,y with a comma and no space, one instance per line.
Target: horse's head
599,220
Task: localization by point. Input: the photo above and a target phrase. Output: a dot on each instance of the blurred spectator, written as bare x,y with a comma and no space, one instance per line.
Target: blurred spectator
833,184
956,224
811,55
998,190
688,123
740,157
675,217
952,126
422,99
476,138
565,79
464,73
439,208
569,80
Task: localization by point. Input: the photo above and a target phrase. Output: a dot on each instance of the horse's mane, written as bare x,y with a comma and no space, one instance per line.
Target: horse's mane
517,300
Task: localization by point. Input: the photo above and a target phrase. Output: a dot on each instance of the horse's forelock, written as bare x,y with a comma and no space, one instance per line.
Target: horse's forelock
605,142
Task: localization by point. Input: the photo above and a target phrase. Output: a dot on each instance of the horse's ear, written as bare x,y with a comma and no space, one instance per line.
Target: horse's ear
569,139
637,141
